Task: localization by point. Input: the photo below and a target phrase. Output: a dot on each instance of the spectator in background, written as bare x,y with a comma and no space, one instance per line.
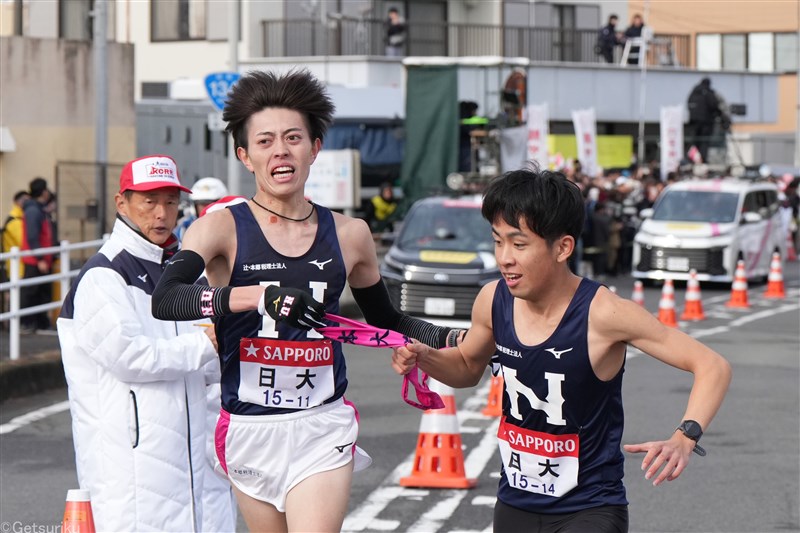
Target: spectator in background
607,39
12,237
382,209
37,233
634,31
704,108
205,192
395,34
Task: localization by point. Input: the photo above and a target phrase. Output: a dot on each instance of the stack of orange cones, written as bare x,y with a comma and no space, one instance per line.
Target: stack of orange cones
494,405
775,288
666,306
739,288
693,307
439,460
638,292
78,517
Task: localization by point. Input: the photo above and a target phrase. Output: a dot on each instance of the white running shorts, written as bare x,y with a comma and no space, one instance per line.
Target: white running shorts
266,456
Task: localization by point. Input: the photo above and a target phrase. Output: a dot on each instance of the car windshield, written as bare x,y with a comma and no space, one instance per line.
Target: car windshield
697,206
441,227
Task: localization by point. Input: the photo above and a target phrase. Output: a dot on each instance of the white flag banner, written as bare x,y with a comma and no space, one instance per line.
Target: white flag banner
583,120
671,139
538,130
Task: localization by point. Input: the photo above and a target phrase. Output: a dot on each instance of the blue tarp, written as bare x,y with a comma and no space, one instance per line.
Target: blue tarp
380,144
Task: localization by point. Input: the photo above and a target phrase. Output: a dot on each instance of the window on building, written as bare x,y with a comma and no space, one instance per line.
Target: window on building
734,49
760,52
75,20
709,52
786,52
177,20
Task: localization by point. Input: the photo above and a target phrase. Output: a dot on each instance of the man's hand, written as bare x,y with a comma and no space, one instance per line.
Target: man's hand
672,455
211,332
404,358
292,306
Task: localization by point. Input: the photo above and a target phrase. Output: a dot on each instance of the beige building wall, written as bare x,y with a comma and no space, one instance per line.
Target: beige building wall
47,103
724,16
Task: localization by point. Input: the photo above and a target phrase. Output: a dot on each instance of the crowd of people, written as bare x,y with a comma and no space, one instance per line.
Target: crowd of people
175,425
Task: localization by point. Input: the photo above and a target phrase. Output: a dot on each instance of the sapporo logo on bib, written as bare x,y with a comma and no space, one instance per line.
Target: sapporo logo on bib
285,374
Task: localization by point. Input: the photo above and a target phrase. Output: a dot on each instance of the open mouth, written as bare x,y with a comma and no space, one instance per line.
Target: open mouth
284,171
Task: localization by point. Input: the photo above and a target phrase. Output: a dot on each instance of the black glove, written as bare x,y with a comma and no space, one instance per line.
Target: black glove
292,306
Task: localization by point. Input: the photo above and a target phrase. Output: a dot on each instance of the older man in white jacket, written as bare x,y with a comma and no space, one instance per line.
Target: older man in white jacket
137,385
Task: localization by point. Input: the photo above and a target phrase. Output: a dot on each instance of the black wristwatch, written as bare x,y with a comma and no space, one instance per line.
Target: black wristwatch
694,431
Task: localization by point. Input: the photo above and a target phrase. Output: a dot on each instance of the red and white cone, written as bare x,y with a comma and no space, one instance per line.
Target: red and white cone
739,288
666,306
693,307
638,292
775,288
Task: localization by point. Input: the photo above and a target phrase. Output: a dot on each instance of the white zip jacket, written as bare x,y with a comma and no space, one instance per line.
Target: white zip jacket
137,394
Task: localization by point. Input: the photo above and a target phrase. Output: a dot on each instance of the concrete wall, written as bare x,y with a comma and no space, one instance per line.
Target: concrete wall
47,88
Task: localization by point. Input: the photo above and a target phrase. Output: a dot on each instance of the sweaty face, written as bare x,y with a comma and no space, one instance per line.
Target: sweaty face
279,151
525,260
154,212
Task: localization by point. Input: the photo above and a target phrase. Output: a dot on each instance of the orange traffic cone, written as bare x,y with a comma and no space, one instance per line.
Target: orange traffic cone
791,253
638,292
739,288
775,288
693,307
494,406
666,306
439,461
78,516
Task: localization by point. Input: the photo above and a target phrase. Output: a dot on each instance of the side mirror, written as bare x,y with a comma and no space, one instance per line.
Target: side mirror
750,217
646,213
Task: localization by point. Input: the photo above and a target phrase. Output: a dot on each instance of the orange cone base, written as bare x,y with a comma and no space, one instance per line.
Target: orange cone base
775,295
494,406
693,311
439,463
667,317
738,300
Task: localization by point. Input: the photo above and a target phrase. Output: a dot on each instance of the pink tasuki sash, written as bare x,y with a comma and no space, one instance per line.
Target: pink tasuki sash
355,332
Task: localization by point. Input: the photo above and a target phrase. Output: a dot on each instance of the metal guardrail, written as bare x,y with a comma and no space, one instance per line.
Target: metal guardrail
14,284
343,36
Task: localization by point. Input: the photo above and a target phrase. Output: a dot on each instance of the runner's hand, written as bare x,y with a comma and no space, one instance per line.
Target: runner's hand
292,306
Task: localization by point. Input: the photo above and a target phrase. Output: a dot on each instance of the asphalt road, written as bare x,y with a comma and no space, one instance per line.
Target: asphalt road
748,482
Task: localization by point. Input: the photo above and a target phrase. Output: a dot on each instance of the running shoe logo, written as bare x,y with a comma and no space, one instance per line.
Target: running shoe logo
341,448
320,265
557,353
143,277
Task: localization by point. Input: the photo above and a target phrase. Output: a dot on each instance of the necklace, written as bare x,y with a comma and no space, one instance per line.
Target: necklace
313,208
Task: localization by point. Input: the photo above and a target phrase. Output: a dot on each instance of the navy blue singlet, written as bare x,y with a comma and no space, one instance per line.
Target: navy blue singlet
557,457
320,272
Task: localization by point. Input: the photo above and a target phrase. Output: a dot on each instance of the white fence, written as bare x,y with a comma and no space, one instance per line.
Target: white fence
14,284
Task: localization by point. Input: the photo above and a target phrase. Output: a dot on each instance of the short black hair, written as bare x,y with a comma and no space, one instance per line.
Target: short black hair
297,90
37,187
20,194
551,204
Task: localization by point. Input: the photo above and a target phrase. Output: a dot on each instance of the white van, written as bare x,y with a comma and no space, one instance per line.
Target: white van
708,225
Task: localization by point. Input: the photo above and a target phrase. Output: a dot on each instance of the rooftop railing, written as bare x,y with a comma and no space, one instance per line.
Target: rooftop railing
343,36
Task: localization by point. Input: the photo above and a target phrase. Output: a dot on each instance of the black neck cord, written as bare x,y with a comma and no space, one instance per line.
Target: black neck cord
313,208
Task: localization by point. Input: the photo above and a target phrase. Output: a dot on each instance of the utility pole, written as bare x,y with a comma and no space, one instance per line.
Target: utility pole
797,81
234,16
642,87
100,111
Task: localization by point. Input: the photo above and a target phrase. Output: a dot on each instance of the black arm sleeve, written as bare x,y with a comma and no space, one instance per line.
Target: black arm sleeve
176,297
378,311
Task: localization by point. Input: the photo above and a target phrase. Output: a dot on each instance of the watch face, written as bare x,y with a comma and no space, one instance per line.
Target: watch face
691,429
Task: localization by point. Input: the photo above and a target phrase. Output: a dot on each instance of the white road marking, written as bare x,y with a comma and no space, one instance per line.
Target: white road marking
28,418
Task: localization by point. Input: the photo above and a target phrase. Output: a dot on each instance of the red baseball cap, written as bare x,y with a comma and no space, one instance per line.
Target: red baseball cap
150,172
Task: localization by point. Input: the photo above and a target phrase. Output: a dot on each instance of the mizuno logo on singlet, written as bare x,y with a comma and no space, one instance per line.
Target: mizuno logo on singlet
557,353
320,265
508,351
143,277
341,448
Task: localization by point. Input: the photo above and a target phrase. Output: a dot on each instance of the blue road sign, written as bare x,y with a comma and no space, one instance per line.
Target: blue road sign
218,84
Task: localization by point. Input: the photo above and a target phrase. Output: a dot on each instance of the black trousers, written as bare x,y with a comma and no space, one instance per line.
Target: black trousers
35,295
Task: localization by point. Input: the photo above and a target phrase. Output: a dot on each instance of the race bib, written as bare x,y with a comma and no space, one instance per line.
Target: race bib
285,374
539,462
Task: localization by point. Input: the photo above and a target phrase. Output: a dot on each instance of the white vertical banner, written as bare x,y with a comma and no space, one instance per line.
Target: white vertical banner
538,130
671,139
583,120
